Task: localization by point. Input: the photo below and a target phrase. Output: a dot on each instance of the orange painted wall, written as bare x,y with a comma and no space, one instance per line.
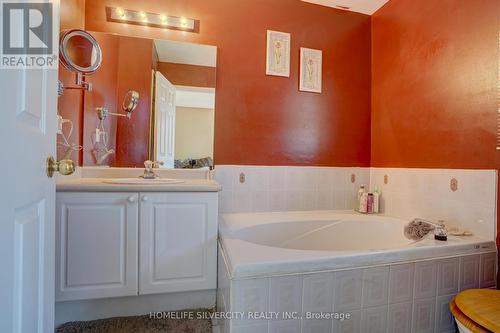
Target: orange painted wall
135,64
188,75
435,66
277,124
70,104
126,65
435,77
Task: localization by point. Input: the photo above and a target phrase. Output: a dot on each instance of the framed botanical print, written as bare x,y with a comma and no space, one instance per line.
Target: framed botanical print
278,53
311,63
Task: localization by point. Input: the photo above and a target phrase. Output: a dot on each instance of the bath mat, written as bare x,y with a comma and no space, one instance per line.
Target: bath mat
138,324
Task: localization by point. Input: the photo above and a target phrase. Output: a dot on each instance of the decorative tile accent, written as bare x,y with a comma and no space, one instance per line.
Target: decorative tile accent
375,286
448,276
469,272
454,185
401,283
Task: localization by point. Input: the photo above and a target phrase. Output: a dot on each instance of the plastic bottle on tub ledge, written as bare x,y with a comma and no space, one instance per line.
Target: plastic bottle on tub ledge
363,203
361,190
376,200
369,203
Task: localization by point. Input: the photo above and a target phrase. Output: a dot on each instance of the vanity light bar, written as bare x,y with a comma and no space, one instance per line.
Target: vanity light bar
152,19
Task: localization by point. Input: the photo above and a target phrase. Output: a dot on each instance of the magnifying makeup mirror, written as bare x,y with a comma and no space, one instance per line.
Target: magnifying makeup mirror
130,101
129,104
80,53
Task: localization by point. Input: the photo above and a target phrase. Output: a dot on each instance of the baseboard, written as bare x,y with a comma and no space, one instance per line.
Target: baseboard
132,306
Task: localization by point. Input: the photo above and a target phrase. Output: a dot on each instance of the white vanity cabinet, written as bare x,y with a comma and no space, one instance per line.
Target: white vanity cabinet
178,242
96,245
112,244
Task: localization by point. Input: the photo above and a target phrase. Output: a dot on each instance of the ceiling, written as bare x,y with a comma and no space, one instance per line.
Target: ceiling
195,97
186,53
361,6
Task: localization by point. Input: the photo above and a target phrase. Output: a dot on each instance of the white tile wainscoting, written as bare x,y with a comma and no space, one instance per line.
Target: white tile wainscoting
409,193
427,193
278,188
403,297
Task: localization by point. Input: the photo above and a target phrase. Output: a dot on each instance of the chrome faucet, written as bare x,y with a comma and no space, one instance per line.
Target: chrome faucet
148,169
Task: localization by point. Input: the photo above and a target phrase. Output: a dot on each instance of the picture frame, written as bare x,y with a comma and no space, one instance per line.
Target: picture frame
311,70
278,53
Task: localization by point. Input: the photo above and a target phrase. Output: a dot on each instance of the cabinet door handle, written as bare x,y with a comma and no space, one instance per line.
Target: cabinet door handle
144,198
131,199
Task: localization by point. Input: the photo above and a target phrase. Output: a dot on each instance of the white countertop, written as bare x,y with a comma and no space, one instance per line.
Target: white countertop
98,185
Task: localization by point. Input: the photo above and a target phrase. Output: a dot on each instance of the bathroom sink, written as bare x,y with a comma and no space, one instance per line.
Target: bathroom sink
142,181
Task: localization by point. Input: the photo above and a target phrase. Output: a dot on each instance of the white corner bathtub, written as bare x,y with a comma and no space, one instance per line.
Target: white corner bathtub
266,244
322,262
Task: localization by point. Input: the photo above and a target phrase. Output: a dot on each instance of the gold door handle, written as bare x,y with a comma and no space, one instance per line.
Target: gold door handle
64,167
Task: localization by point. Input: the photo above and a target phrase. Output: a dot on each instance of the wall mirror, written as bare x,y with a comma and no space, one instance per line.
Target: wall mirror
169,86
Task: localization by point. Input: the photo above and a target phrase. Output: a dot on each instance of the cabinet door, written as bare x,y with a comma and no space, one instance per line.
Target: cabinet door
97,236
178,242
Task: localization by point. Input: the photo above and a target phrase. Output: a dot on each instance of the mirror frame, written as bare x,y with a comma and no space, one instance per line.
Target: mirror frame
66,59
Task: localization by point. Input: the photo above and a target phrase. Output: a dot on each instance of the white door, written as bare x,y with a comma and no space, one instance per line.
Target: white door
178,242
28,99
96,252
164,121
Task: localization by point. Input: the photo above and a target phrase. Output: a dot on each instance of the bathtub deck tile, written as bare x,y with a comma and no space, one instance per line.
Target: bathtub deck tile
401,280
469,272
286,295
285,326
488,270
249,296
352,325
317,326
318,293
425,279
448,270
374,319
444,319
375,286
423,317
348,287
399,317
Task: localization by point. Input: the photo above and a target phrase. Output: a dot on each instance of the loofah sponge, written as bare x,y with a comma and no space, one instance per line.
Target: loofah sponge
417,229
